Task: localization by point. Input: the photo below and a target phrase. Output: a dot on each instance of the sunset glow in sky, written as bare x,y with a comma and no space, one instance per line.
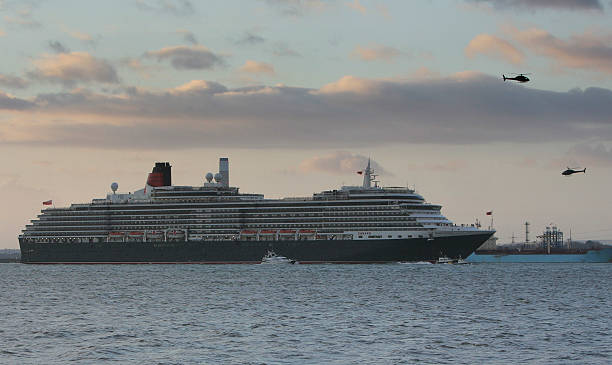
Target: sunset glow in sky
298,94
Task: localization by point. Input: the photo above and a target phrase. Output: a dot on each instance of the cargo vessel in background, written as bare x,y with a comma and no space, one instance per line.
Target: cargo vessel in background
550,247
215,223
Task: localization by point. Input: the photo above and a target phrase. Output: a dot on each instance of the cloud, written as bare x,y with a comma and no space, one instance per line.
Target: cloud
376,52
135,64
255,67
188,57
12,82
588,51
448,166
495,47
589,154
22,16
173,7
250,39
57,47
12,103
356,5
283,49
81,36
69,68
2,33
545,4
297,8
465,108
188,36
200,86
339,163
350,84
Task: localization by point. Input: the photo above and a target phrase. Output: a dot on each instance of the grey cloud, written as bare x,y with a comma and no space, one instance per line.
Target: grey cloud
340,163
591,154
283,49
57,47
188,57
173,7
22,14
12,82
545,4
188,36
348,113
12,103
250,38
298,7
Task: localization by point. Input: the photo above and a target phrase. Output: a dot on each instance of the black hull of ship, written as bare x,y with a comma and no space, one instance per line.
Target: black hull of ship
217,252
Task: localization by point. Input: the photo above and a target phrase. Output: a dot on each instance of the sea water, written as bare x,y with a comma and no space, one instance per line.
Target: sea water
306,314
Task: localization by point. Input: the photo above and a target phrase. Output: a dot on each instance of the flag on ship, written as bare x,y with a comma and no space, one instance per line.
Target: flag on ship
48,202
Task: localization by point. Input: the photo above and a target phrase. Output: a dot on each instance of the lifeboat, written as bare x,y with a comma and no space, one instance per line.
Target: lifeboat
116,236
267,231
287,231
307,231
155,235
176,234
135,236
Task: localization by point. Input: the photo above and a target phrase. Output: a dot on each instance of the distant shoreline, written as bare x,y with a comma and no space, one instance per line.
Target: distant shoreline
10,255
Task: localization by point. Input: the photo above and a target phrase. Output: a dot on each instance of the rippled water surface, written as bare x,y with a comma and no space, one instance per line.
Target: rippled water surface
385,314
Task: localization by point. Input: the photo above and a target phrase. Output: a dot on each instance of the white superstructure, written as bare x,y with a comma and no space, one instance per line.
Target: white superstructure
217,212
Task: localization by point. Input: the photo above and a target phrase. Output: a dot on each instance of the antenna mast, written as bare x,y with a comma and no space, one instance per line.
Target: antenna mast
369,177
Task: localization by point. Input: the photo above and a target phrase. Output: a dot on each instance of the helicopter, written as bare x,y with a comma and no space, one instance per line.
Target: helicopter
519,77
571,171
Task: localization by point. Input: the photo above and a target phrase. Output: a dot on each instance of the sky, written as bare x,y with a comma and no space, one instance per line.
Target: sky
299,93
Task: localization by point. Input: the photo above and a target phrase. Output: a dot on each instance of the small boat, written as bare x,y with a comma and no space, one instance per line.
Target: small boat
445,260
461,261
272,258
448,260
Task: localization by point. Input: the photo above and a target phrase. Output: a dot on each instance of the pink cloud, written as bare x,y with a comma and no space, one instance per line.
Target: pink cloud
588,51
255,67
376,52
493,46
68,68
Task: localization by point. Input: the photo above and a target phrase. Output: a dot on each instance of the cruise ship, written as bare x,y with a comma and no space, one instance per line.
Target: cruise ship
215,223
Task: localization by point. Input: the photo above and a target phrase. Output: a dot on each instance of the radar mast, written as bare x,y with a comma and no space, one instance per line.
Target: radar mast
369,177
